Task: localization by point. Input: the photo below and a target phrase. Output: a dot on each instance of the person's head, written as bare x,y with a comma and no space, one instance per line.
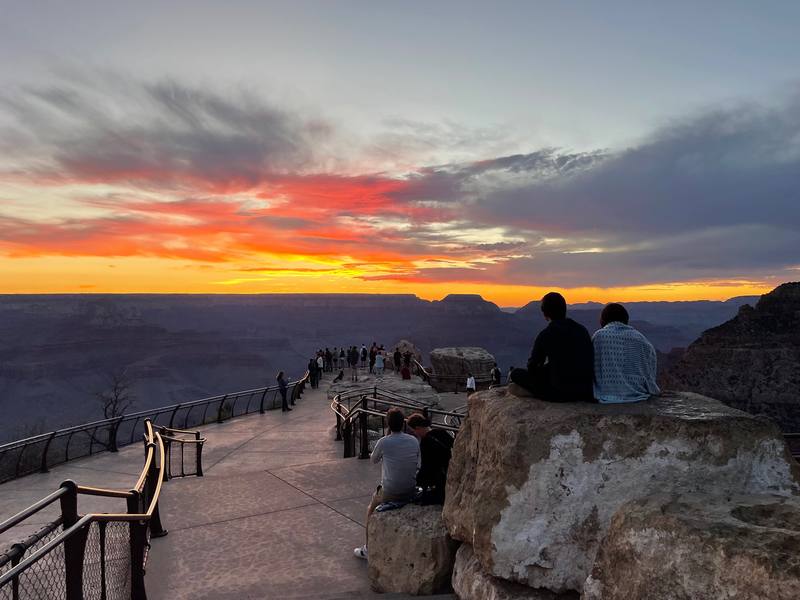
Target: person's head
280,375
469,374
395,419
494,365
419,425
554,306
613,312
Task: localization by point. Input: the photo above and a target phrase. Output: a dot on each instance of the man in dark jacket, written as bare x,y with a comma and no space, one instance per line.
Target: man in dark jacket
561,365
435,446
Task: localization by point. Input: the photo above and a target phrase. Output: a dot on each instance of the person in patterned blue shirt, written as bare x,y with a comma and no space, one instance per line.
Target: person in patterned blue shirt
624,360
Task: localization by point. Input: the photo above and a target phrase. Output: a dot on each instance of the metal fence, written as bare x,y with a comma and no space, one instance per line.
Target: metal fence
361,417
99,555
40,452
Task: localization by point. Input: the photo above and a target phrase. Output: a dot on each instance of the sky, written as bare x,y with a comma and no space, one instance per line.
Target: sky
613,151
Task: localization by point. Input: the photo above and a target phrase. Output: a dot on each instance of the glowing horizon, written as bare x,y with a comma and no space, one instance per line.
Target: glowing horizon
164,168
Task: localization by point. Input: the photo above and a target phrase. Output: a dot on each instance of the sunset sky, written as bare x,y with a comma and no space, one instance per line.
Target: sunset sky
613,150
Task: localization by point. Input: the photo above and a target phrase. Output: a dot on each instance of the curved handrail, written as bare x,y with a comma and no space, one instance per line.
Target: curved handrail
107,434
154,446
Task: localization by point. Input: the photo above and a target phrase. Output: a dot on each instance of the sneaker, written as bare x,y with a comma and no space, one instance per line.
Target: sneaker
518,391
361,552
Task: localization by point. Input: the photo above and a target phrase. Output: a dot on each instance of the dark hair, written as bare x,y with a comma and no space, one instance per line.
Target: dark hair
396,419
280,375
554,306
417,420
613,312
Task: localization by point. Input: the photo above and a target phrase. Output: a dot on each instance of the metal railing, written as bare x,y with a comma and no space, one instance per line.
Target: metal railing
97,555
177,444
361,417
40,452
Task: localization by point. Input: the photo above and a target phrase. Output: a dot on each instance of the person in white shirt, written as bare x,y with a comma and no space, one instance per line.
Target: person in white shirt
399,456
625,362
470,384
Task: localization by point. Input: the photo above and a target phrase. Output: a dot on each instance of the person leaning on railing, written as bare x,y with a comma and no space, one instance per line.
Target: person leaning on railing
283,388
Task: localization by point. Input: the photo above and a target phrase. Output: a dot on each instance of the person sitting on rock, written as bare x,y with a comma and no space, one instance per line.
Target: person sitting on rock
561,365
399,456
625,361
435,446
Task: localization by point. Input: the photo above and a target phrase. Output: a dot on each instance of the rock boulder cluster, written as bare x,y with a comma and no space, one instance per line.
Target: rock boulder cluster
677,497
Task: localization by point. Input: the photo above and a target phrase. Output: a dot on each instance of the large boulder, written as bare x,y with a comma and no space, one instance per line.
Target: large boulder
667,547
410,551
471,582
404,346
451,366
532,485
415,388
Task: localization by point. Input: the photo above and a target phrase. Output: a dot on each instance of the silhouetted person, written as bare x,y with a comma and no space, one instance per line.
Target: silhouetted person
435,447
495,375
625,362
398,359
561,365
282,388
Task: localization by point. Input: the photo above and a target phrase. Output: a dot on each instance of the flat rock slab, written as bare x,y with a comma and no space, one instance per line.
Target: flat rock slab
663,547
532,486
471,582
410,551
451,366
415,388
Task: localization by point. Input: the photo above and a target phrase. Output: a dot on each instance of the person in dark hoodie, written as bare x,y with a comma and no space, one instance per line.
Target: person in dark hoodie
561,365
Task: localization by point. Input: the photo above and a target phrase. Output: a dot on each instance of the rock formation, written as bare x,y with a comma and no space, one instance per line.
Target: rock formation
471,581
410,551
666,547
404,346
451,365
752,362
413,388
532,486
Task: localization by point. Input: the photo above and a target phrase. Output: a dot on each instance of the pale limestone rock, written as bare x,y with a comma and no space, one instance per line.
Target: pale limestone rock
471,582
532,486
451,365
696,546
410,551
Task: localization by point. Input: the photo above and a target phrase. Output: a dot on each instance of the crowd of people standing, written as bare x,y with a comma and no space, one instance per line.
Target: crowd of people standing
375,359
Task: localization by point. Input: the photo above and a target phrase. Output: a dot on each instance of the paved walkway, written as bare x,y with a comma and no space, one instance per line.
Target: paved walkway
276,515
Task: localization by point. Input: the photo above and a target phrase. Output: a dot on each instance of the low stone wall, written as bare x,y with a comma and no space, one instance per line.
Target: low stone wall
410,550
533,486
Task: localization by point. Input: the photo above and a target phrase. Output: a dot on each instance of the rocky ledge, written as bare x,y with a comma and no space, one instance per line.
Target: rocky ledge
691,546
533,486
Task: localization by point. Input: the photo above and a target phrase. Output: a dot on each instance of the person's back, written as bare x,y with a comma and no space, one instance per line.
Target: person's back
625,362
399,454
561,365
566,348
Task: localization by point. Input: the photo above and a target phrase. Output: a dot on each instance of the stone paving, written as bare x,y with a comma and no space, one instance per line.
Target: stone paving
277,514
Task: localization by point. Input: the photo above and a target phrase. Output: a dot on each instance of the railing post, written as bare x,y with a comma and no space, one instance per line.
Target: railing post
338,425
199,455
172,416
138,541
375,392
156,529
75,545
220,419
43,467
364,417
348,439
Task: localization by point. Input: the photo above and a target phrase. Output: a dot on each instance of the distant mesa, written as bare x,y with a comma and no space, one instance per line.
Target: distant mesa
751,362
